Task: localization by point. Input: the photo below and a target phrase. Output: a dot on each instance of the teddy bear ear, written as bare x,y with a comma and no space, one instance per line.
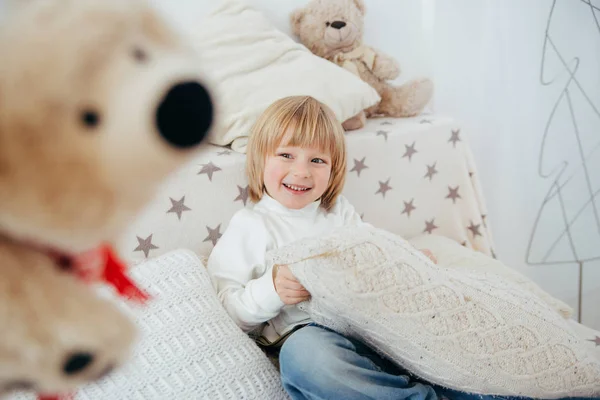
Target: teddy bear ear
360,4
295,19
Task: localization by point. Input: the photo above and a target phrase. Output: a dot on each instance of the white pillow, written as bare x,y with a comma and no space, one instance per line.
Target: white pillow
473,331
450,254
189,348
253,64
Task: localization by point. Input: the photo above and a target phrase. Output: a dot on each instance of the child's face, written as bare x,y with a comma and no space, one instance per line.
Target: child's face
296,176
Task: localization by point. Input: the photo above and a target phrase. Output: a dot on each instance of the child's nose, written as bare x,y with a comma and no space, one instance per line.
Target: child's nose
301,169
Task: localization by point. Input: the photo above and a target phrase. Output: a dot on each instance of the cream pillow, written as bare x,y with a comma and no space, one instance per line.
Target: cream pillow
468,330
254,64
450,254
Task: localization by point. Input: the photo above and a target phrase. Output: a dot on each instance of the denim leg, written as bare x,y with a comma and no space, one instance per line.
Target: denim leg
457,395
317,363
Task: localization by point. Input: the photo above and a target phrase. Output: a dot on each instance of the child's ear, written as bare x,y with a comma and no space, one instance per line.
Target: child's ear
296,20
360,5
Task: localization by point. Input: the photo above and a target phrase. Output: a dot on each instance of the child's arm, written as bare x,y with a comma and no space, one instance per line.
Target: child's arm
237,267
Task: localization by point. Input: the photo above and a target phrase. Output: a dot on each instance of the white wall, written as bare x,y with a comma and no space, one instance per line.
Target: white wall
487,62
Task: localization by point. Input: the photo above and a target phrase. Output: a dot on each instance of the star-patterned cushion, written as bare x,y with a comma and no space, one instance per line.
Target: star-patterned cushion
409,176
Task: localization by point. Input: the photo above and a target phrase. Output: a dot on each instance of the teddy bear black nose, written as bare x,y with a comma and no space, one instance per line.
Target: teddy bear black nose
185,115
338,24
77,362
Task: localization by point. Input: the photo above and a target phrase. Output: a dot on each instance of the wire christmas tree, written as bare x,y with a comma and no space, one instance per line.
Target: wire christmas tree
567,226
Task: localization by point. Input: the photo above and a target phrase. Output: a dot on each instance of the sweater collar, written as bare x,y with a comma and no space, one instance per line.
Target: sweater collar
269,203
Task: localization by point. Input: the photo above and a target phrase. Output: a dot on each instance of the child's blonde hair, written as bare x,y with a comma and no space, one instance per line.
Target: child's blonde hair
304,122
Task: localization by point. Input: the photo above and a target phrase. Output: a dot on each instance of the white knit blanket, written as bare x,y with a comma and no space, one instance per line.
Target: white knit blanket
189,348
471,331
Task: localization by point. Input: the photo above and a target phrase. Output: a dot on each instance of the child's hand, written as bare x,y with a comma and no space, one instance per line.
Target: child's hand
429,254
288,288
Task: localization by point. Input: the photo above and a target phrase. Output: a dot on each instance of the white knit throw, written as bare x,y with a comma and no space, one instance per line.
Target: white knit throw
471,331
189,347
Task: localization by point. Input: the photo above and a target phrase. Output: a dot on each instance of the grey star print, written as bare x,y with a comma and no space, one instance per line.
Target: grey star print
455,137
209,169
145,245
453,194
430,226
410,150
386,123
359,166
384,187
225,152
178,207
475,229
431,171
243,196
425,121
213,235
596,340
409,207
383,133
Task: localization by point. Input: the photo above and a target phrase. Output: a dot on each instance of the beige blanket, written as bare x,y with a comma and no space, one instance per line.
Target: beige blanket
475,331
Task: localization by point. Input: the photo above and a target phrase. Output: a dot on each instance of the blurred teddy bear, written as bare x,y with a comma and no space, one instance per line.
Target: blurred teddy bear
333,29
99,101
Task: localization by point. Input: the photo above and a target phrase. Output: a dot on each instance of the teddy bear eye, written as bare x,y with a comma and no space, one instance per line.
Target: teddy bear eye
90,118
327,23
139,55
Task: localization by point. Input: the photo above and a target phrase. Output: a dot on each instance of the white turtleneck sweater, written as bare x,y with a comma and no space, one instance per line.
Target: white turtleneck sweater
237,264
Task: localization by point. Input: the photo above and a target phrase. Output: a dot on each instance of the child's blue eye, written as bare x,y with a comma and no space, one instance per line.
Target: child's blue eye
318,160
285,155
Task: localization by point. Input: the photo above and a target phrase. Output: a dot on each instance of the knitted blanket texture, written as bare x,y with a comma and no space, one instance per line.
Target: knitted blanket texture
471,331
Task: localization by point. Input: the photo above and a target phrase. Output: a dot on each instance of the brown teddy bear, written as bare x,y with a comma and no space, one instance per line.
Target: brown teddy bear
333,29
99,101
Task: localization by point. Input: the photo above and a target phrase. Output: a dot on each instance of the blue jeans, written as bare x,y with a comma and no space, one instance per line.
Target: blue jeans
317,363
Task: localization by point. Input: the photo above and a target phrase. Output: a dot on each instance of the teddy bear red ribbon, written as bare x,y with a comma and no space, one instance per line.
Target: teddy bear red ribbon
99,265
103,265
61,397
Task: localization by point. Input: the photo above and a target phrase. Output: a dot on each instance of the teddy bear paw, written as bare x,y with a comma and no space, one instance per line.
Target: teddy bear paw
356,122
417,94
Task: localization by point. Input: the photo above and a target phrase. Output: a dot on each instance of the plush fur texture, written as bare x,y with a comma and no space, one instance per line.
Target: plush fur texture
82,148
333,29
68,58
47,316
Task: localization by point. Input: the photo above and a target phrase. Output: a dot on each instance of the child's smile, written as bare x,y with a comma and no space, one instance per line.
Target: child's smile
297,188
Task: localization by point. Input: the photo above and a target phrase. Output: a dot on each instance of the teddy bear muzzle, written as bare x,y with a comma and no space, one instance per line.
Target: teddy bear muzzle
185,114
